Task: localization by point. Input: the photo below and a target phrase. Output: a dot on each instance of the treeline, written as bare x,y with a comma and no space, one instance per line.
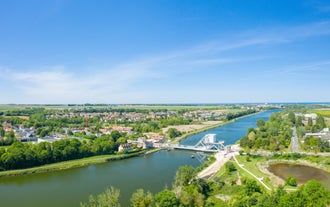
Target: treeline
231,116
316,144
24,112
24,155
274,135
157,125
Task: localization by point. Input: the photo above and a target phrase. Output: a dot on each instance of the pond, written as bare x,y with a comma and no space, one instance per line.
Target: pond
302,173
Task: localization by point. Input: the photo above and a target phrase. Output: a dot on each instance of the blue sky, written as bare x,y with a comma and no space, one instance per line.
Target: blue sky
164,51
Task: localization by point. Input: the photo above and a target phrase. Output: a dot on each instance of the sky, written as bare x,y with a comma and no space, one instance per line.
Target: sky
164,51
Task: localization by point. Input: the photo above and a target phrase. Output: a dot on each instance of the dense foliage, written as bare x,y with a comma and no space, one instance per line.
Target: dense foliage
191,192
275,134
23,155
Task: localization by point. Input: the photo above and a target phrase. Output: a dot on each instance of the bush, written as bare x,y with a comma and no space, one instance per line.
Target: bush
291,181
230,167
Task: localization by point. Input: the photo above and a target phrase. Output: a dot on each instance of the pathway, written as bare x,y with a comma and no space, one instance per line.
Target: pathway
246,170
294,141
221,158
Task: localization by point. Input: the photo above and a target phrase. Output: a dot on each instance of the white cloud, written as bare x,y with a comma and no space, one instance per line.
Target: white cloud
62,86
59,84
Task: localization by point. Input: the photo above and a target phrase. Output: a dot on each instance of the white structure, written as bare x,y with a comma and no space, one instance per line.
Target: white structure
208,142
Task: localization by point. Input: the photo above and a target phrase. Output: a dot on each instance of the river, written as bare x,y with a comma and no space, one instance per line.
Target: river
151,172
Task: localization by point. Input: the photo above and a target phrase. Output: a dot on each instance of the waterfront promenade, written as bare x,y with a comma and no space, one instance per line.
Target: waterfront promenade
221,158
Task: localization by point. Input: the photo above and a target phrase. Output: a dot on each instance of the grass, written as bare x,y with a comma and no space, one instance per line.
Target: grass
68,164
323,111
251,166
6,107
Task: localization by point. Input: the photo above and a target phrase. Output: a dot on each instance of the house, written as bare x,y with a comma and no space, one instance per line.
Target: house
124,147
157,139
144,144
122,129
7,126
105,131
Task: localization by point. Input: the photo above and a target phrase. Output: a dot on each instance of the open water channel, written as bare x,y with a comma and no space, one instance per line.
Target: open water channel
151,172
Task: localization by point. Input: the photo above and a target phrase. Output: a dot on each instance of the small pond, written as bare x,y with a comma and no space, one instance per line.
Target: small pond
302,173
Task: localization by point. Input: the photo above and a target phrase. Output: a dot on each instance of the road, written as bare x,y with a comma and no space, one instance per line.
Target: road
294,141
221,158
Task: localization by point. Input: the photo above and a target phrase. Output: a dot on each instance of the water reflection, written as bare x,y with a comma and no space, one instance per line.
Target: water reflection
301,172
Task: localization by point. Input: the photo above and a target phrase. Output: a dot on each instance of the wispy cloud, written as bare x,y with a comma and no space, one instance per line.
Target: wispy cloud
60,84
318,66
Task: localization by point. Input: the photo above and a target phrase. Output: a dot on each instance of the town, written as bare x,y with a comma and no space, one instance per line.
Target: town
143,127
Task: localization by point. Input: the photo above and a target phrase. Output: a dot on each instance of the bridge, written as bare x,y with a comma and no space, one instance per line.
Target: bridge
207,144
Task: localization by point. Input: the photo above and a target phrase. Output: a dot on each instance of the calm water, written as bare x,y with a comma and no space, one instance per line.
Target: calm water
152,172
232,132
301,172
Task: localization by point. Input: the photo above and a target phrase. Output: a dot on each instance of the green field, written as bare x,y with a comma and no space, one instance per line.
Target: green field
323,111
169,107
6,107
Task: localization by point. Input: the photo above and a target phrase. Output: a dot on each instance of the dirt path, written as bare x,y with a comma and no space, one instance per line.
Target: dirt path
259,179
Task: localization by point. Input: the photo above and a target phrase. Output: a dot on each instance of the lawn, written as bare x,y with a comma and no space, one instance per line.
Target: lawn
323,111
251,166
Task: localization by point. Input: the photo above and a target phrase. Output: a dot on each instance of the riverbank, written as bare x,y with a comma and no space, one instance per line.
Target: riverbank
220,160
69,164
186,135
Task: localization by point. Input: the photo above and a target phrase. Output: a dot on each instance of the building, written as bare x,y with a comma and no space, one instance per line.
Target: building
123,129
124,147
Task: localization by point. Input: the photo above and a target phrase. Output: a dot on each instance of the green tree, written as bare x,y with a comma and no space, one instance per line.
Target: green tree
301,131
70,133
190,196
141,199
2,132
184,175
250,187
316,194
166,198
230,167
291,181
115,135
10,135
292,117
109,198
260,123
320,122
172,132
310,121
